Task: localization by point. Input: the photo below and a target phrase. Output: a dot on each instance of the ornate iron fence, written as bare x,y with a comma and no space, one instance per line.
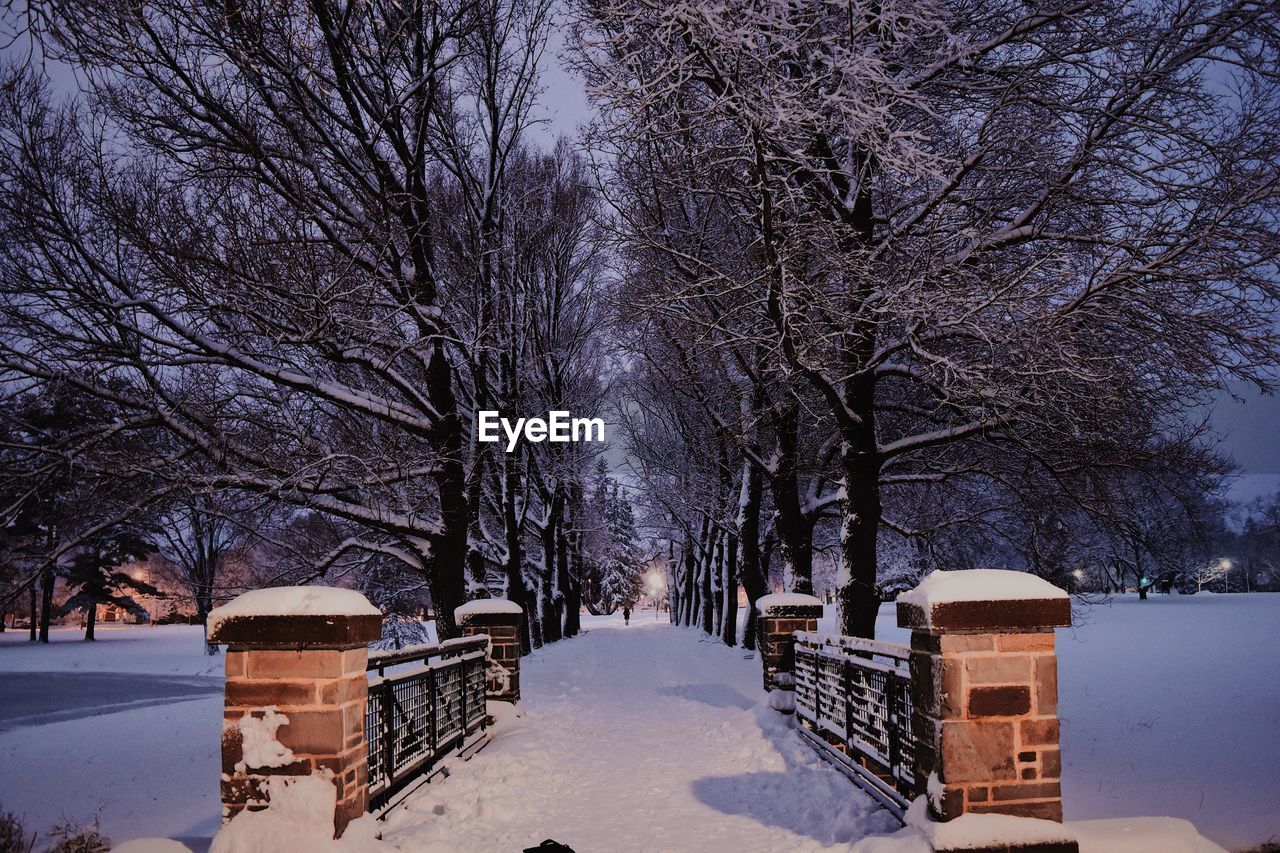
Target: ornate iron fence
854,698
422,711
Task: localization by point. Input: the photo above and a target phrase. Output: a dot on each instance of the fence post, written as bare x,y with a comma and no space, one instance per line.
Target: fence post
295,694
501,620
985,691
781,615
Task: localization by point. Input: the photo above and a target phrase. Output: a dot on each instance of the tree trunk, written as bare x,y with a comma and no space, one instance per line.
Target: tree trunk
551,626
706,607
90,620
535,610
690,596
33,636
573,570
47,580
571,596
859,601
716,572
729,585
204,603
753,582
513,567
447,558
795,532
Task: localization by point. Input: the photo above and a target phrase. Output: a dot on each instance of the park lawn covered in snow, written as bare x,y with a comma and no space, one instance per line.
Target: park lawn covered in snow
1169,706
154,650
632,736
129,745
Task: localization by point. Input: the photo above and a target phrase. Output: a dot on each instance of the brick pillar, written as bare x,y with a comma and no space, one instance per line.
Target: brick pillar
780,617
308,669
985,688
501,620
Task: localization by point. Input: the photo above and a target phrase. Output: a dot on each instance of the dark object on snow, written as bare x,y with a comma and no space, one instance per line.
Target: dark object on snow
549,846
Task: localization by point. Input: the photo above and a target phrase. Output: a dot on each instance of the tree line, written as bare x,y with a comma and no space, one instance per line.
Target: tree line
882,288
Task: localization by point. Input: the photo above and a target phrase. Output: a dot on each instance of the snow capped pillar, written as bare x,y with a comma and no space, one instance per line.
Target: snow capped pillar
781,615
501,620
985,688
295,695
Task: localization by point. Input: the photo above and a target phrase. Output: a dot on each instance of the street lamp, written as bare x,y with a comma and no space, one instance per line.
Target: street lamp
657,585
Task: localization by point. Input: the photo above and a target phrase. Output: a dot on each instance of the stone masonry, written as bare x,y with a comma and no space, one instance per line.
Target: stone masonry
985,690
502,621
780,617
310,669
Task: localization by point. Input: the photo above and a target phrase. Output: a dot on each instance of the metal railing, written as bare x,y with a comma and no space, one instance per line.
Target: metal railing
423,710
854,697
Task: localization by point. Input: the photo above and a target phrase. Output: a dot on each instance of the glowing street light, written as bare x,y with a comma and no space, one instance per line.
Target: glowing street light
657,586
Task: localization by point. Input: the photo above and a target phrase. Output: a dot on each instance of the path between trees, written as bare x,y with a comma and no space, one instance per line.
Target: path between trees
641,738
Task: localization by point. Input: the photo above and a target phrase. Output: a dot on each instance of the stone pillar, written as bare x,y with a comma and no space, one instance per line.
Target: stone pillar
985,689
781,615
501,620
295,694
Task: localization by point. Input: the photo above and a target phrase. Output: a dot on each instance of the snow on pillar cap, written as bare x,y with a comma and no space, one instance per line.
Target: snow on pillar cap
488,611
785,604
296,616
984,600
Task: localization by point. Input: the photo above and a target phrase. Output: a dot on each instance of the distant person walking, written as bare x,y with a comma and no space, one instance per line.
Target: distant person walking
626,614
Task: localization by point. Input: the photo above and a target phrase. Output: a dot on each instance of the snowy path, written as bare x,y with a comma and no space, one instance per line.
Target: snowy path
640,739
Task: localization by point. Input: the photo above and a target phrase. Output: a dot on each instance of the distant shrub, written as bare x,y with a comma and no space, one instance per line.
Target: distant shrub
74,838
175,617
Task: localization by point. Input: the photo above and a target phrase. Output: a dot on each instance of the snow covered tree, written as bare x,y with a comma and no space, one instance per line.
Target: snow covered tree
614,548
621,564
54,442
989,238
94,576
312,243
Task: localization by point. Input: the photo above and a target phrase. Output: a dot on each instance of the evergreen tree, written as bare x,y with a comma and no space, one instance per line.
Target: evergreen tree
621,564
94,574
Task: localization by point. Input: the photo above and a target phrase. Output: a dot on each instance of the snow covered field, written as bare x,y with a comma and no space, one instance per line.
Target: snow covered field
145,760
1169,706
633,738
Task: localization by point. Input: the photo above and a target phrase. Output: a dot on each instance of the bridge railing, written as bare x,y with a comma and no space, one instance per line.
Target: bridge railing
967,714
304,696
426,708
854,697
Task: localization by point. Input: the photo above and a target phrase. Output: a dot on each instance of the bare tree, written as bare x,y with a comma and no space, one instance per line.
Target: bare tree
280,231
1042,228
198,533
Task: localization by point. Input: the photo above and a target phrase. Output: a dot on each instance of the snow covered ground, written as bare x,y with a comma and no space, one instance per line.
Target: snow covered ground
1169,706
635,737
158,650
129,742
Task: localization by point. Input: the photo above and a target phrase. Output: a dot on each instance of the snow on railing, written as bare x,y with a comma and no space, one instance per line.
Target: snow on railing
417,716
858,693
